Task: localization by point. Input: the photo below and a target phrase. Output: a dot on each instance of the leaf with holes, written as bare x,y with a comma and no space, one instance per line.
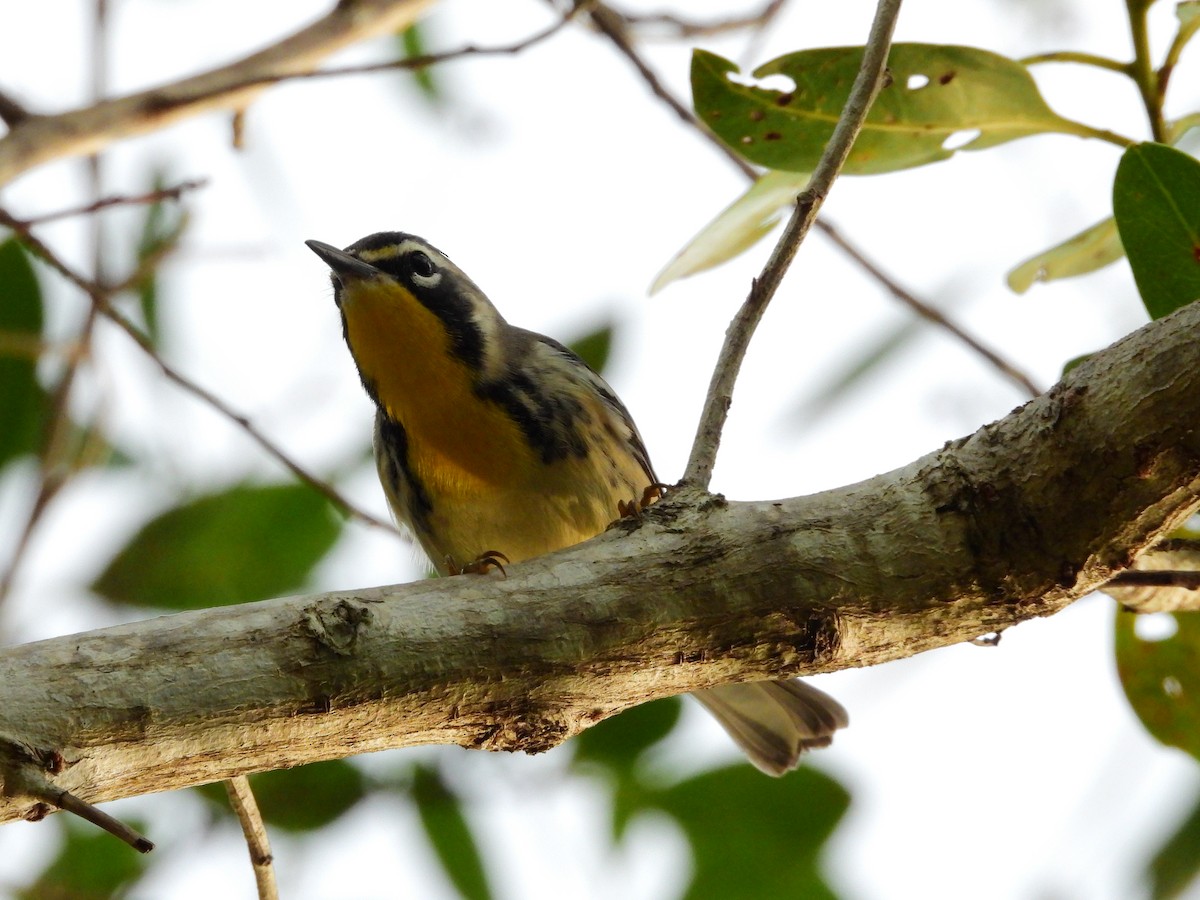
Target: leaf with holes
1156,202
938,95
739,226
1162,680
1091,249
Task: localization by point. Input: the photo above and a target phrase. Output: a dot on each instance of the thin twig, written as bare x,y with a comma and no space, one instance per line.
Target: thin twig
97,295
35,140
430,59
1187,580
55,469
866,85
927,312
163,194
243,422
68,802
56,454
612,26
241,799
681,27
619,37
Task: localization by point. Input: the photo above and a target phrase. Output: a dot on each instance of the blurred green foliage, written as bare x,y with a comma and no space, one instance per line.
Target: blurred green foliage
243,543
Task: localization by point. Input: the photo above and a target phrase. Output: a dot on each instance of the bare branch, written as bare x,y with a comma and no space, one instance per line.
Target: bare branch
432,59
33,783
737,338
175,192
36,139
98,296
929,313
612,26
1189,581
1012,522
677,26
241,798
243,422
1167,579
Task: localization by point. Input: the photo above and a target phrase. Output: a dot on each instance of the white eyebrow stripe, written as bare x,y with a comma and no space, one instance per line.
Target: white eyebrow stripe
395,251
391,251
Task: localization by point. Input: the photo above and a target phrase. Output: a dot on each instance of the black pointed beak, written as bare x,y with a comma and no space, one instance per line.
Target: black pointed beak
344,265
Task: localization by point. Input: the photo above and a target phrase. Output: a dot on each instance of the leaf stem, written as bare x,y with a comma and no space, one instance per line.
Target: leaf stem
1142,71
1074,56
1083,130
1187,30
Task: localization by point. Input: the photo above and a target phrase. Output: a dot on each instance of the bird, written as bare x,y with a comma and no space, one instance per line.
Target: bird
495,444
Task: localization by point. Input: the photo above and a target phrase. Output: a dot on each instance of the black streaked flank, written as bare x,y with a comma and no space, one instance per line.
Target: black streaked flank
392,447
547,421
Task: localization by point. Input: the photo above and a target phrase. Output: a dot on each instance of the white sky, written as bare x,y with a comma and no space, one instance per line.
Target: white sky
562,187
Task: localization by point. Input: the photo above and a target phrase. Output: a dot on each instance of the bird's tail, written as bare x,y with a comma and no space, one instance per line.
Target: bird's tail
775,721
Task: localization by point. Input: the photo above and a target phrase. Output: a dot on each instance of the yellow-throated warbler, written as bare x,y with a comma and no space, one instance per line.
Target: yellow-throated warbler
497,443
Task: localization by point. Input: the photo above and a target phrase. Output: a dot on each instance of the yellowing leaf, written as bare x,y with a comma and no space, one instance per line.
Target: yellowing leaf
1091,249
939,99
738,227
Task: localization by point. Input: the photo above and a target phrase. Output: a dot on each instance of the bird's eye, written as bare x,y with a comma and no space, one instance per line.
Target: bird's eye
421,265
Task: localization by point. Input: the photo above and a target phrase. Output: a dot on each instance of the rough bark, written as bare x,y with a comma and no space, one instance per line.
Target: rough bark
1015,521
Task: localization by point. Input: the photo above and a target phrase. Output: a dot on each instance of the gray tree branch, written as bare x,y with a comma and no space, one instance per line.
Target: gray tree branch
1015,521
36,139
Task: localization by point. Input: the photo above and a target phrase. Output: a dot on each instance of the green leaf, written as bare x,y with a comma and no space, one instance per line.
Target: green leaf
308,797
245,543
594,348
617,749
618,742
22,401
302,799
1091,249
936,92
737,228
754,836
1156,201
450,834
1162,680
1177,863
412,46
90,865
